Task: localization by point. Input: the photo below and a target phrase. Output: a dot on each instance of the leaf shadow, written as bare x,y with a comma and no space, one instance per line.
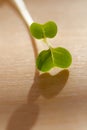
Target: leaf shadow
50,86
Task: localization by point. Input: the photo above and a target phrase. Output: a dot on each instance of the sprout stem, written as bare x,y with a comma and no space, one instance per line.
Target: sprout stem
23,11
47,43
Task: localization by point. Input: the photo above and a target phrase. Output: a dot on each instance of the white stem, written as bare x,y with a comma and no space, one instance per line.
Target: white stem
24,12
26,16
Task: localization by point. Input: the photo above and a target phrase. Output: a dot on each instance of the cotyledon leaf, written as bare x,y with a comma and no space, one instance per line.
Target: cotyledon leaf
44,61
61,57
37,30
50,29
53,57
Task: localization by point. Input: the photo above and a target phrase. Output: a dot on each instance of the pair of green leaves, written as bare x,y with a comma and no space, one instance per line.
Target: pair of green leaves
41,31
53,57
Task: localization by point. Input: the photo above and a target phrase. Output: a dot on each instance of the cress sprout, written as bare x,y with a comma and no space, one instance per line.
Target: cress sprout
53,57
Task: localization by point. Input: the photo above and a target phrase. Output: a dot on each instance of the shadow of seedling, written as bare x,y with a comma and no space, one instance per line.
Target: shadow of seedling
47,85
50,86
25,117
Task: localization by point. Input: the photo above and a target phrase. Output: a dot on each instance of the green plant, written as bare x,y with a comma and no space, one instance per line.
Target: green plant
53,57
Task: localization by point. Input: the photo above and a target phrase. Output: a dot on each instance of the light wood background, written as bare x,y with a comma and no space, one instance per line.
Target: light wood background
28,100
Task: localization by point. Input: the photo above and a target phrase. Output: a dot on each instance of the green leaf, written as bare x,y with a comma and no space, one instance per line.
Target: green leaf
50,29
44,61
37,30
53,57
61,57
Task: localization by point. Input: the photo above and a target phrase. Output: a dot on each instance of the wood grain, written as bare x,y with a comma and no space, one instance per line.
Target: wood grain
29,100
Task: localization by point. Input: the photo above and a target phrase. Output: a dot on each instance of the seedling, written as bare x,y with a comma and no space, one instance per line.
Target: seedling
53,57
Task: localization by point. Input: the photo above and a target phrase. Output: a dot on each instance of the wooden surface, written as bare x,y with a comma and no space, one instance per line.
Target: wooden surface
29,101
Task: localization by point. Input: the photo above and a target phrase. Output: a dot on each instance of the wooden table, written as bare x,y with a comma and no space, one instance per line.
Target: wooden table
29,100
